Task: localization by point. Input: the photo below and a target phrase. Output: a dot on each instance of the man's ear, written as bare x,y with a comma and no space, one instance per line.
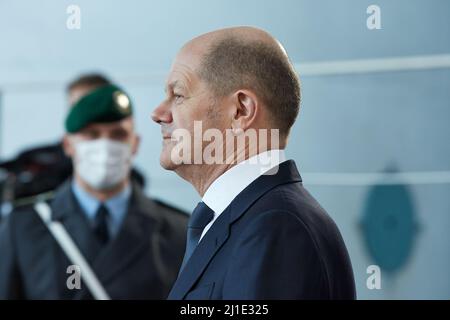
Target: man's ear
247,110
68,146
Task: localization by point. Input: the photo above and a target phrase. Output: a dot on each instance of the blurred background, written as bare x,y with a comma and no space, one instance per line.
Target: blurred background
371,141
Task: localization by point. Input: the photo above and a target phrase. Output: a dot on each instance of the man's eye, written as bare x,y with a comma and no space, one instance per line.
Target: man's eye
178,97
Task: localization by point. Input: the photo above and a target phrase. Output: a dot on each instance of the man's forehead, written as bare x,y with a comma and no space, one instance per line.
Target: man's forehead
180,76
185,66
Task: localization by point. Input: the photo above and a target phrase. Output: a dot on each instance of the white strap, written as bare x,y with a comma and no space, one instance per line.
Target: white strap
71,250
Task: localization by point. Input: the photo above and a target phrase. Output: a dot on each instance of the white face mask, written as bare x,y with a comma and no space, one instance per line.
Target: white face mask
102,163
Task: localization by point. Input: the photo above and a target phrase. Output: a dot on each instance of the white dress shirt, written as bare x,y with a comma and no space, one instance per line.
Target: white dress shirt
227,186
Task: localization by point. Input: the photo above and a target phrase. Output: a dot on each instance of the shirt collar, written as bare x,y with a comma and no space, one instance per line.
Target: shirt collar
227,186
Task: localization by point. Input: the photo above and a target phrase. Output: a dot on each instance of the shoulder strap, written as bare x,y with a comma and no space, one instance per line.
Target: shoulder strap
71,250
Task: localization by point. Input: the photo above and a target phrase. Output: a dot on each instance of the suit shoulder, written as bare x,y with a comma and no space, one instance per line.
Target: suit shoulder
21,222
164,212
170,207
172,211
27,203
23,214
295,200
172,221
155,208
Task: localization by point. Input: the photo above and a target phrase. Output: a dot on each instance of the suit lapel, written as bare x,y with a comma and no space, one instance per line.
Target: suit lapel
133,238
213,240
205,251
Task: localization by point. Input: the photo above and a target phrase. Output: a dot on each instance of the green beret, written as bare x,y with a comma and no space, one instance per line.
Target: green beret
105,104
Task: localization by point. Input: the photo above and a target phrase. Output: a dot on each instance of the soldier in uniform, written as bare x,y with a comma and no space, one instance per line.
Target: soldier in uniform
133,244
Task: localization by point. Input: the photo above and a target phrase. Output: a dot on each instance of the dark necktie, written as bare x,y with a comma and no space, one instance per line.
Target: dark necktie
101,224
200,217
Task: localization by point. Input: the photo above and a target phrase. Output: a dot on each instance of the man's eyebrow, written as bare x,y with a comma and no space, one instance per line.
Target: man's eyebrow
174,84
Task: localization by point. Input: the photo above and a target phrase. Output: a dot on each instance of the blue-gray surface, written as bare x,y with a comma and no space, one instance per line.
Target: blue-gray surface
349,123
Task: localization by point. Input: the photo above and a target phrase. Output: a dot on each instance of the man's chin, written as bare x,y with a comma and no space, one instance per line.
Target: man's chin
167,163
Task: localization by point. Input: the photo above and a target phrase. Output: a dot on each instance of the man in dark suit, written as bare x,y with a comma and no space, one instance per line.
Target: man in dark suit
257,233
133,244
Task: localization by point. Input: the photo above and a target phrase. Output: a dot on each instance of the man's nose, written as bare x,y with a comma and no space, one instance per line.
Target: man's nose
162,113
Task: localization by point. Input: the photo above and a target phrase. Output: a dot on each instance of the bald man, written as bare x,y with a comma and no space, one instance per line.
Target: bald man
257,233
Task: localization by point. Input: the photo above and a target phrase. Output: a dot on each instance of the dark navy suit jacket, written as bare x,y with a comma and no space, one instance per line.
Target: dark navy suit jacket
274,241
